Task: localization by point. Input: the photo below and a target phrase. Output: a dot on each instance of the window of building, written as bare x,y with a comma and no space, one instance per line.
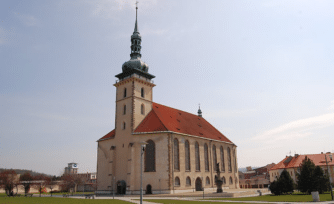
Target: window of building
229,159
142,92
124,92
231,180
150,156
176,155
187,155
222,162
197,157
177,181
142,109
235,160
214,157
124,109
224,180
207,181
124,125
188,181
206,157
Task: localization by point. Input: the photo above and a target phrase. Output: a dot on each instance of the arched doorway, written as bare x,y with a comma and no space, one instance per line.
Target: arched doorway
121,187
198,184
149,189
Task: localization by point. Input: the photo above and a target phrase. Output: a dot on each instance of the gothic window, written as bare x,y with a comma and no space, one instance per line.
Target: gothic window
150,156
188,181
214,157
187,155
142,92
206,157
207,181
229,159
224,180
124,92
177,181
197,157
176,155
142,109
231,180
124,109
235,160
124,125
222,162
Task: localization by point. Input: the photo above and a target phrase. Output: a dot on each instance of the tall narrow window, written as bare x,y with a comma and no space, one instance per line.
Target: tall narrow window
222,161
177,181
142,109
176,155
142,92
207,181
187,155
124,109
231,181
150,156
188,181
229,159
124,125
235,160
223,179
206,157
124,92
197,157
214,157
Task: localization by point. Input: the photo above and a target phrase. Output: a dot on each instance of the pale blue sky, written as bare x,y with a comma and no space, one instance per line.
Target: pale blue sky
261,70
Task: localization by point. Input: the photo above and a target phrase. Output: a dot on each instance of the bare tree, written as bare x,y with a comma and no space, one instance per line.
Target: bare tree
9,180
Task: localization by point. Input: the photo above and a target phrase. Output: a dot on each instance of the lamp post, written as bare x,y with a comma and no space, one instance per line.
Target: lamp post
142,149
330,178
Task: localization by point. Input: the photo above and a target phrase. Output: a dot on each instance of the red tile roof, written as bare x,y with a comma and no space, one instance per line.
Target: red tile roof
295,161
163,118
110,135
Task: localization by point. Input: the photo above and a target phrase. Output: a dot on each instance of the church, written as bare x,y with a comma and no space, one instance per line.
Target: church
182,149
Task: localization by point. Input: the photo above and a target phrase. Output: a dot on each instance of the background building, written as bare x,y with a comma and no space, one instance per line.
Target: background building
257,178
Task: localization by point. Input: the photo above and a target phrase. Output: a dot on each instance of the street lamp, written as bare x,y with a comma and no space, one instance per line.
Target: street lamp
142,149
330,178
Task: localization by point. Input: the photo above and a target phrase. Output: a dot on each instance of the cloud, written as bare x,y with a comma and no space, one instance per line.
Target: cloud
297,129
5,35
27,20
332,106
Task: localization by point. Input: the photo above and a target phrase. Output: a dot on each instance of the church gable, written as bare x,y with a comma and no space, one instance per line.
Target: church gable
164,118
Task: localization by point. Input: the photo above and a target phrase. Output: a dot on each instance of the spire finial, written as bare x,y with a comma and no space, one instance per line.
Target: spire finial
136,27
199,110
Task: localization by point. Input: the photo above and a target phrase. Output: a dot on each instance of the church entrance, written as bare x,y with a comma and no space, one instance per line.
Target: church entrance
121,187
148,189
198,184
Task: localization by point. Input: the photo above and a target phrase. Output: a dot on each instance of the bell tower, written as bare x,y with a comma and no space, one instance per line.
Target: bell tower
133,90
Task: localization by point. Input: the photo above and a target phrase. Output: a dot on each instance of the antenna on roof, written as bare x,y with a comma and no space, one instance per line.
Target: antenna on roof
199,110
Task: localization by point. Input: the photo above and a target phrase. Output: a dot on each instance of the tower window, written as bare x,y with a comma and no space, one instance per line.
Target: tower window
142,109
124,109
124,125
142,92
124,92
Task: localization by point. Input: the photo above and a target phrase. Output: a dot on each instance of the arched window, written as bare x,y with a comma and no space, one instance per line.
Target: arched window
229,159
177,181
176,155
150,156
231,180
142,92
222,162
206,157
142,109
224,180
187,155
124,125
124,92
207,181
188,181
124,109
214,157
197,157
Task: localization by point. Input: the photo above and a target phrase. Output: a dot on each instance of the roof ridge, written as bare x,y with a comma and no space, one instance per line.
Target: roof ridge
175,109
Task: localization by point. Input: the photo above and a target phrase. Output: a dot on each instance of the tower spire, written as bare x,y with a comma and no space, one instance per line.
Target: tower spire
136,27
199,110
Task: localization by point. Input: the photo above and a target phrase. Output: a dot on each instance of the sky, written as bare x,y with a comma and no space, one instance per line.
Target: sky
262,72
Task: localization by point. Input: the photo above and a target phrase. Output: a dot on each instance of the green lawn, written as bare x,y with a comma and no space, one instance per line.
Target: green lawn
168,201
281,198
34,200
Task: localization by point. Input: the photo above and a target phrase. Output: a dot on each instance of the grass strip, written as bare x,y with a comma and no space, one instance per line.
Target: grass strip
170,201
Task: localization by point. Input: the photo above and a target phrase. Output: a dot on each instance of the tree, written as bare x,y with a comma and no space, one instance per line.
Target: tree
305,180
283,185
26,179
8,181
70,181
43,182
321,181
